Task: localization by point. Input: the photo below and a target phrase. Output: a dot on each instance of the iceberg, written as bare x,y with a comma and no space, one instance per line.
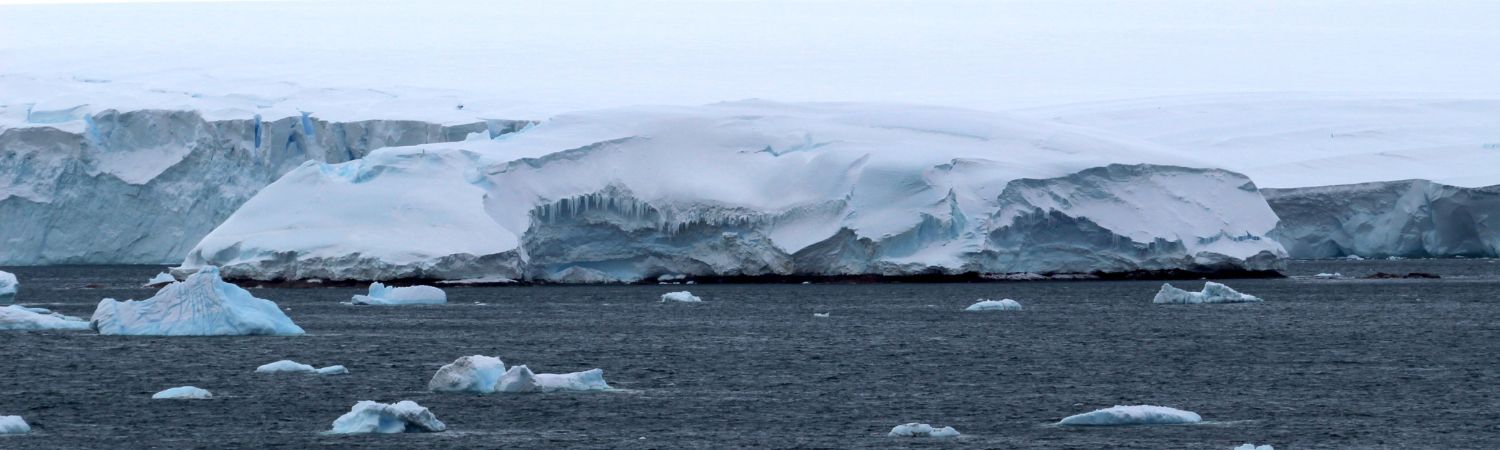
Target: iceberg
404,416
21,318
289,366
1212,293
922,430
486,375
201,305
380,294
756,188
8,287
161,279
1132,415
821,315
1329,276
183,393
995,305
680,296
1397,219
1254,447
13,425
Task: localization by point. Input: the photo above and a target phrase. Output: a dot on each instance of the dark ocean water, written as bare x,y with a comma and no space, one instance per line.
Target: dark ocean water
1333,364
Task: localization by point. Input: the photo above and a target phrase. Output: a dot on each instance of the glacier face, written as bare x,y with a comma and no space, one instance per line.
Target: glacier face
158,180
750,188
1411,218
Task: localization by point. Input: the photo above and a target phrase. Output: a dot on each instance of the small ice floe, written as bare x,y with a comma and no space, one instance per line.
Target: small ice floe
183,393
481,281
1354,258
289,366
995,305
404,416
1254,447
1329,276
8,287
21,318
806,282
821,315
922,430
1398,258
1212,293
680,296
480,374
383,295
1132,415
13,425
161,279
201,305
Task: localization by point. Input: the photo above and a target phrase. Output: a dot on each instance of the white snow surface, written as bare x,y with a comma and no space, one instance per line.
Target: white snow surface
404,416
183,393
380,294
21,318
753,187
1212,293
922,430
681,297
13,425
201,305
289,366
995,305
1132,415
8,287
486,375
1304,140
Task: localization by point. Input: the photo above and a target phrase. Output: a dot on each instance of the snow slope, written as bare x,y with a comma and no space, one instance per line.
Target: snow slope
1410,218
1303,140
162,179
750,188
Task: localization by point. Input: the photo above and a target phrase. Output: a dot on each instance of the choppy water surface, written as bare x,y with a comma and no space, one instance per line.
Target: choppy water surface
1345,363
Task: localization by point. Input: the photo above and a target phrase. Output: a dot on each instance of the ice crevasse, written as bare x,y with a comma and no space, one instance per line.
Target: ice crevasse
751,188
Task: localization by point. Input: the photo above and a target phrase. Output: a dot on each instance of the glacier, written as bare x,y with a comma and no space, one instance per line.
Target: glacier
1132,415
8,287
201,305
1407,219
404,416
750,188
164,178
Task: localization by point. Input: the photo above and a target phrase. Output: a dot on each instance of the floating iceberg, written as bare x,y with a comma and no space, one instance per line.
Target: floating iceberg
8,287
183,393
821,315
201,305
757,188
405,416
380,294
680,296
1329,276
1132,415
289,366
1254,447
995,305
1212,293
13,425
161,279
922,430
21,318
485,375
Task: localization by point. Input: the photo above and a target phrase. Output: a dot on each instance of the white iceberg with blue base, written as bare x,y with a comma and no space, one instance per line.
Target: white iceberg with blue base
13,425
405,416
922,430
21,318
380,294
201,305
480,374
1212,293
1132,415
183,393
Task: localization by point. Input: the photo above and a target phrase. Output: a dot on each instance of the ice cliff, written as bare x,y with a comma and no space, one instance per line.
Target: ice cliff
1411,219
143,186
750,188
